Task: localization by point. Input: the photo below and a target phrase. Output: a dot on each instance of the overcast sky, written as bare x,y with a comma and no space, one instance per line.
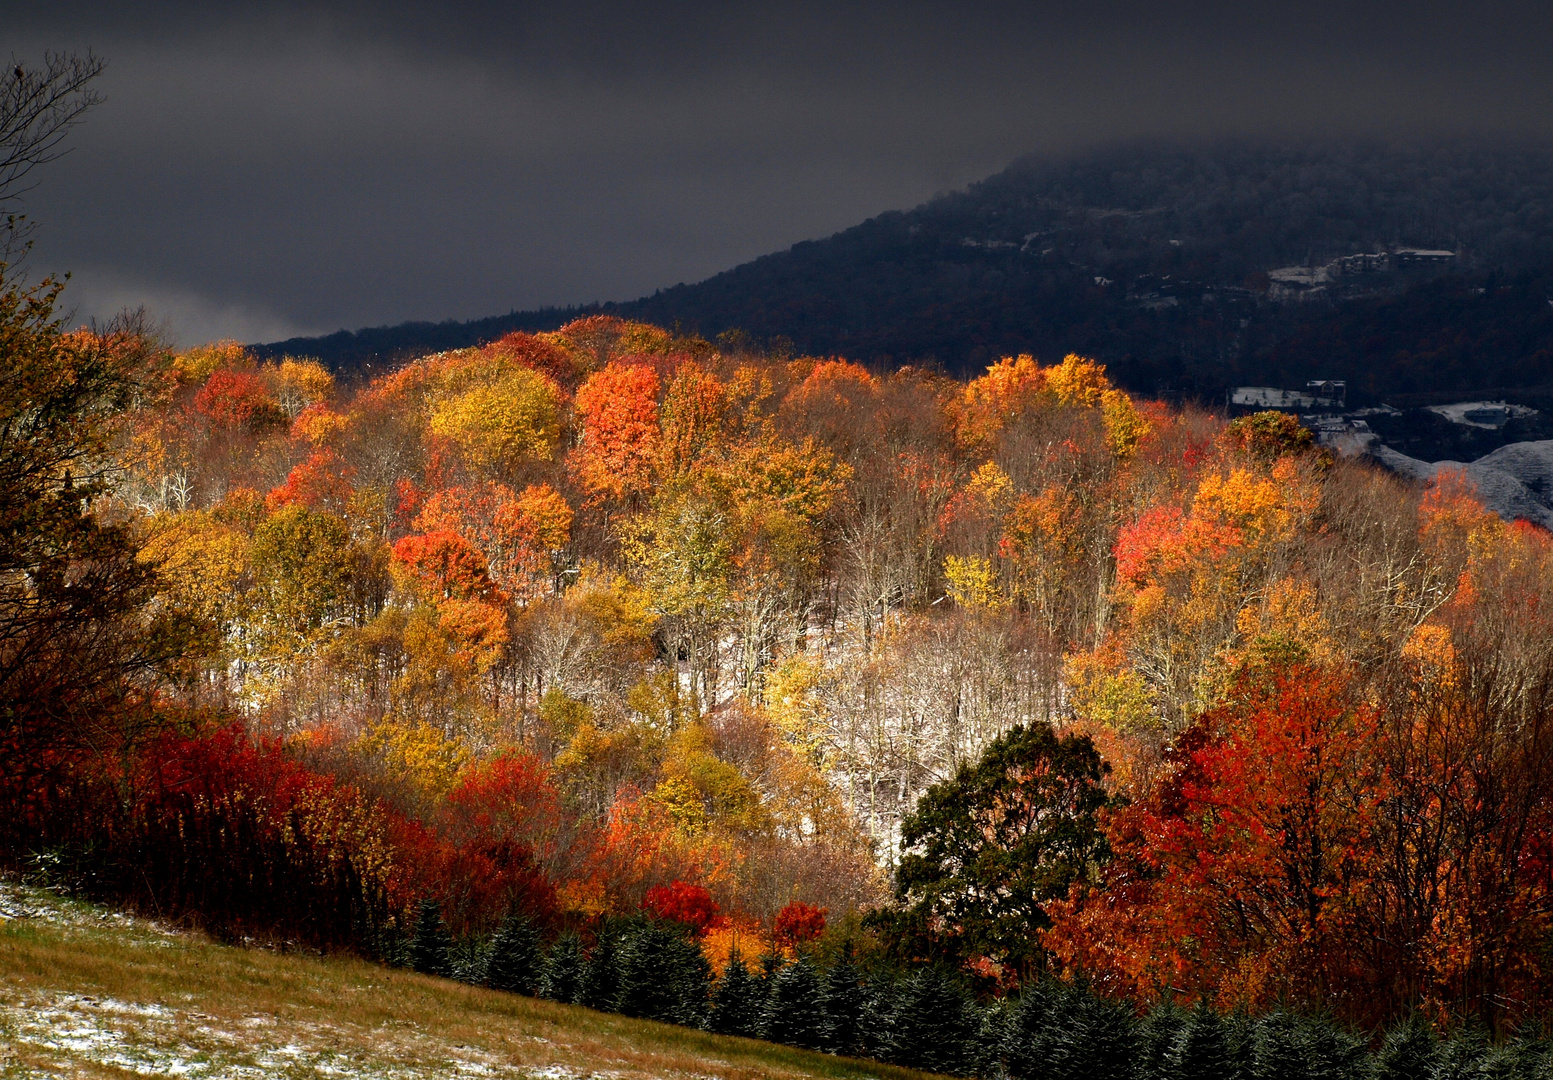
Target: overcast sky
298,169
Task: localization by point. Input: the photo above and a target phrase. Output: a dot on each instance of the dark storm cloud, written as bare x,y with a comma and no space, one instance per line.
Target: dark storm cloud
301,168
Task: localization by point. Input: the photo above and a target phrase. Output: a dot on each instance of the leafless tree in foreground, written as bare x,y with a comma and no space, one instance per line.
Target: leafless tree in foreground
38,106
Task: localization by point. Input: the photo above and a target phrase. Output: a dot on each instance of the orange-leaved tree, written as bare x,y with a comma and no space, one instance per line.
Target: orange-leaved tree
620,435
1242,877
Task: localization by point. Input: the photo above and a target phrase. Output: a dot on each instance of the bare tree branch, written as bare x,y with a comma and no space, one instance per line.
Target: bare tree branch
38,106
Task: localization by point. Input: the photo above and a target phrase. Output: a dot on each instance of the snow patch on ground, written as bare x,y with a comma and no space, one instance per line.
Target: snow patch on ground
65,1032
18,901
154,1040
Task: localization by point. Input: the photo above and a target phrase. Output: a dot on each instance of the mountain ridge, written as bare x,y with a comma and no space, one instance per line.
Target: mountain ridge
1158,260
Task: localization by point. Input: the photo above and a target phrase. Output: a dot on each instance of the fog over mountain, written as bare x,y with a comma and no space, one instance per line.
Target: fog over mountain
278,168
1400,268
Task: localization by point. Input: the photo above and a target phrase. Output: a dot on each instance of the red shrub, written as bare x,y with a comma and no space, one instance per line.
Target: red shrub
230,830
506,834
798,923
683,902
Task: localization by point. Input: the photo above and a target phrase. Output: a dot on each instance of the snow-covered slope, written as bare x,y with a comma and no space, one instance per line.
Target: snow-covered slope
1515,481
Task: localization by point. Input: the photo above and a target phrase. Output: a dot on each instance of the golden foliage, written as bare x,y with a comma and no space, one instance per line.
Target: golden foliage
197,364
502,421
1077,381
973,582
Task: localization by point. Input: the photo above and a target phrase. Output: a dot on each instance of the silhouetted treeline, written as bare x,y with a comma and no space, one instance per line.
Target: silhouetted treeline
375,348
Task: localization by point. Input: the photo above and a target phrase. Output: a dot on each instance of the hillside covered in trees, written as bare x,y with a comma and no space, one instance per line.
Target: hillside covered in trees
1154,260
641,651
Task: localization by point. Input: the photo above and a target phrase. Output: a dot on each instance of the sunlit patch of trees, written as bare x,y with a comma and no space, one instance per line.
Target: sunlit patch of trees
608,620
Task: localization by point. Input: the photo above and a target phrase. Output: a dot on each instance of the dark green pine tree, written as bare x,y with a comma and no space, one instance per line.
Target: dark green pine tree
1461,1057
429,948
795,1007
663,975
1240,1028
738,1002
514,963
934,1024
881,1003
1201,1051
1062,1041
564,971
988,1058
1335,1054
843,1004
1408,1051
1526,1057
691,977
1157,1034
1099,1040
1283,1050
1026,1038
601,978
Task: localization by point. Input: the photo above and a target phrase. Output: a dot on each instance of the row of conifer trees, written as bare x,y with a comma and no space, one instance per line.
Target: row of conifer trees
923,1018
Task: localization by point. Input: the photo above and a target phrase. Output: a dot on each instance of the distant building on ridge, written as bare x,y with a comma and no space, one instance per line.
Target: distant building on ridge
1318,394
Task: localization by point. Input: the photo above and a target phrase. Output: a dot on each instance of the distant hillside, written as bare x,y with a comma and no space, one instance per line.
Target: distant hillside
1185,268
378,346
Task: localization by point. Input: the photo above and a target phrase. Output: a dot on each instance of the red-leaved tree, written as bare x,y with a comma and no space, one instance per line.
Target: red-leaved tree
682,901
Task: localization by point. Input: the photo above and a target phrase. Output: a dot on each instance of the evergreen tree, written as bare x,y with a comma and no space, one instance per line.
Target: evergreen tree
601,979
1240,1030
987,1051
795,1007
1100,1039
429,949
738,1001
1524,1058
1024,1051
1201,1048
1282,1050
934,1024
691,976
843,1004
1058,1032
1335,1054
564,971
662,975
468,959
1461,1057
514,963
1063,1045
881,1003
1407,1052
1157,1034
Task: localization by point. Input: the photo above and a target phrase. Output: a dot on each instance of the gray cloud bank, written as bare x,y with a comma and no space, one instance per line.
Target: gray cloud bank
296,169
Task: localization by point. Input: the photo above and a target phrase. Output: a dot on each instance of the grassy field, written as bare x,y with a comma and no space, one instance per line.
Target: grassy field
93,993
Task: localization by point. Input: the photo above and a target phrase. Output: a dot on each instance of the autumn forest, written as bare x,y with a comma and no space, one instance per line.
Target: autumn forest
1018,678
